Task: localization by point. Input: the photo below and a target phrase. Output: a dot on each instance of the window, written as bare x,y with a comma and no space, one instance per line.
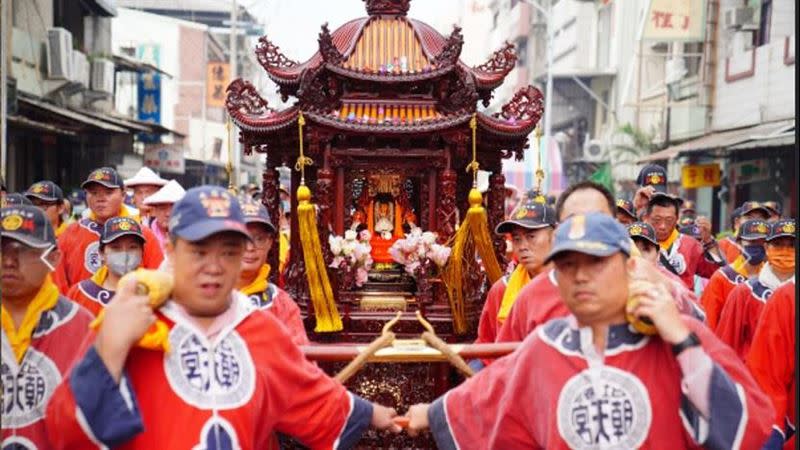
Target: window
764,19
693,58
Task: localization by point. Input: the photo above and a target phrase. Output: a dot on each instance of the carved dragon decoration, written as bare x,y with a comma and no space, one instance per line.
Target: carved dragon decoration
526,105
327,48
270,57
388,7
243,98
502,60
451,50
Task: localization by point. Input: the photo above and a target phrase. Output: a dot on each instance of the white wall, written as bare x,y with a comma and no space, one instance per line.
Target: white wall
767,95
132,28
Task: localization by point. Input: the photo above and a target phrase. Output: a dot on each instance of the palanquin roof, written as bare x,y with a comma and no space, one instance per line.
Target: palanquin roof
385,48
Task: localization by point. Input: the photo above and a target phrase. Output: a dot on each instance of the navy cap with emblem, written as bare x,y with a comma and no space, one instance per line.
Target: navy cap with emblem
105,176
116,227
28,225
748,207
531,214
753,229
45,190
15,198
691,230
782,228
626,206
653,175
594,234
206,210
644,231
256,212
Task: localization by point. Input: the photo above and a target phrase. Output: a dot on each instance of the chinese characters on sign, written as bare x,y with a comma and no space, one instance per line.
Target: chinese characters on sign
675,20
148,85
165,158
700,175
217,79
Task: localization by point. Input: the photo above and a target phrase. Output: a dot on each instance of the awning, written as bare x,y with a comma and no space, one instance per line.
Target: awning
779,140
24,122
723,141
126,63
72,116
121,121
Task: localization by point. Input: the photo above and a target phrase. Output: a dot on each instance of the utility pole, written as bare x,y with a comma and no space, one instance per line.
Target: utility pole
237,158
546,11
5,38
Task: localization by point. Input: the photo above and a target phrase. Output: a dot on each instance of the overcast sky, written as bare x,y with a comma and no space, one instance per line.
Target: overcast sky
294,24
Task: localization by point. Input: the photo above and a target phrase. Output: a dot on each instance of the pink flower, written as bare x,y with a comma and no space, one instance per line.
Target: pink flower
337,262
439,254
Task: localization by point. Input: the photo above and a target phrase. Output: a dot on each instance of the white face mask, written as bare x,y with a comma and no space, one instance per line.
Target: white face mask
121,263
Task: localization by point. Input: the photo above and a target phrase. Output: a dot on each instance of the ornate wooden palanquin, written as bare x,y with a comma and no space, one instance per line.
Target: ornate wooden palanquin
385,97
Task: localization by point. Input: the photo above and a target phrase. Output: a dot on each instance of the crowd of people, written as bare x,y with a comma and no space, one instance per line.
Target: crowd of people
637,328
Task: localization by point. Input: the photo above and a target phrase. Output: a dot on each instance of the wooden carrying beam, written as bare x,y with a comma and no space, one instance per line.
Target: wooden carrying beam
406,351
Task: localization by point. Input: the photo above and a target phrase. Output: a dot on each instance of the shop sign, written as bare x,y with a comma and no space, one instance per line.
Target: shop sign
695,176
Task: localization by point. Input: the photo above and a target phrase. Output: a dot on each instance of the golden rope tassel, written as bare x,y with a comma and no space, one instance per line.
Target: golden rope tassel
472,236
319,285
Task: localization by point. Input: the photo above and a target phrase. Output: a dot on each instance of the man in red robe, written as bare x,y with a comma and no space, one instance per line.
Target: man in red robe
232,374
41,329
254,280
80,242
589,381
751,235
774,338
531,229
737,322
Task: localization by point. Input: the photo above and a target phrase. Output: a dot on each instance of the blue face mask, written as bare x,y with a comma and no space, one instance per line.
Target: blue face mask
285,205
755,254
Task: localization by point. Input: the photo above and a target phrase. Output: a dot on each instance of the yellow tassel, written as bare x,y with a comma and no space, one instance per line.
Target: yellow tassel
319,286
473,236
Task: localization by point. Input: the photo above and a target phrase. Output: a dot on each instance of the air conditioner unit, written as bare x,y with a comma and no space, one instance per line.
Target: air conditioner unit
59,54
594,150
80,69
739,18
103,76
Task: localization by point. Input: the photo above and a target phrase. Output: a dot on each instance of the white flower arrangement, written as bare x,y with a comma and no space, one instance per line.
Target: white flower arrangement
417,249
351,252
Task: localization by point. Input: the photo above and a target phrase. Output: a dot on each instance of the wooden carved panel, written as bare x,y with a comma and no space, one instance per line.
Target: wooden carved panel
496,212
323,198
446,209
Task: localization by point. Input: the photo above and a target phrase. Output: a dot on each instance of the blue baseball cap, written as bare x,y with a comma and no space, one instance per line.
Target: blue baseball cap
27,224
256,212
782,228
206,210
594,234
46,191
116,227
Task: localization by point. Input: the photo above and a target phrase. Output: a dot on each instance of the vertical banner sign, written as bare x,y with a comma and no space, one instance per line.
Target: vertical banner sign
675,21
148,86
218,77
